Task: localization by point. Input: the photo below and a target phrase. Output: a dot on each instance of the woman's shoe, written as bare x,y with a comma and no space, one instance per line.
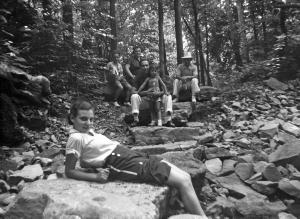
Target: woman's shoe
127,104
116,104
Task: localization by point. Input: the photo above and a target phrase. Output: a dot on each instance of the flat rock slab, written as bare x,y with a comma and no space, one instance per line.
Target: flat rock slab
66,198
237,188
185,216
287,153
28,174
161,135
186,106
163,148
275,84
251,207
291,187
291,129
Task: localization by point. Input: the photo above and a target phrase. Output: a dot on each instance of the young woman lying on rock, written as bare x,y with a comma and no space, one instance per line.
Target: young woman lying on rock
115,162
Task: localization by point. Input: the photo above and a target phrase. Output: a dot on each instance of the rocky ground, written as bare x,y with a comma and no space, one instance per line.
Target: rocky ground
241,147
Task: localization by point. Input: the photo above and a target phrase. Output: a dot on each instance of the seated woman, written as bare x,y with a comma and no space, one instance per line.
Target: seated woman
115,162
154,94
117,79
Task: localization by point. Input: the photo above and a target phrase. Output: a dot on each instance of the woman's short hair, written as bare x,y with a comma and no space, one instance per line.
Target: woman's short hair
79,103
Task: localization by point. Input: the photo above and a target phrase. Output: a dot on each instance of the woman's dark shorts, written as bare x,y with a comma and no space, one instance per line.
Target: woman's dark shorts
129,165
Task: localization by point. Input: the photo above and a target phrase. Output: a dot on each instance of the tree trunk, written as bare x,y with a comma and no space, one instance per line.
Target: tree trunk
86,42
68,20
244,44
264,27
198,41
209,83
252,16
113,24
178,30
68,35
161,37
234,36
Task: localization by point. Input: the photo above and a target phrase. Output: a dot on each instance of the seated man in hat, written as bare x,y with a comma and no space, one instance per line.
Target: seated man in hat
186,78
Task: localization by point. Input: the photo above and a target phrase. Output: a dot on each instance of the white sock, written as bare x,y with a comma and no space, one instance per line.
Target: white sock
159,122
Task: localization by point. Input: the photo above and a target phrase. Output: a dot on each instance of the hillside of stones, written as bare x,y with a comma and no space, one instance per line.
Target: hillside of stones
241,147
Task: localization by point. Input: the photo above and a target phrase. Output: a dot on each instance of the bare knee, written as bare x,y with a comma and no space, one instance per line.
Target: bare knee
185,181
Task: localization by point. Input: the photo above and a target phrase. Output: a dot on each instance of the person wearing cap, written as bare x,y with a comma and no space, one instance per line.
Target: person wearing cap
186,76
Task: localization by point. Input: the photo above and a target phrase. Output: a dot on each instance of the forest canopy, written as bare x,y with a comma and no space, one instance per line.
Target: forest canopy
67,40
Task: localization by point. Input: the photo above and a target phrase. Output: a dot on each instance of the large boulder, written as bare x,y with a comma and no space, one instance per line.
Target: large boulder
66,198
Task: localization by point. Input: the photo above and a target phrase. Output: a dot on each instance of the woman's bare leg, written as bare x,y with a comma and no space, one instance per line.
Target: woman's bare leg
182,181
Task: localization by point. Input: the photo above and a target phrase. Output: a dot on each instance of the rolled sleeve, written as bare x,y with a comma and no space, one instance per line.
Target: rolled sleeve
74,146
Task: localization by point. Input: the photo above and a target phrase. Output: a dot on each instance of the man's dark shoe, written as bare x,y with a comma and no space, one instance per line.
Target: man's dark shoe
169,124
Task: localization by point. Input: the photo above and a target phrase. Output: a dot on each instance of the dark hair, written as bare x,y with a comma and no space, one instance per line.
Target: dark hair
153,67
79,103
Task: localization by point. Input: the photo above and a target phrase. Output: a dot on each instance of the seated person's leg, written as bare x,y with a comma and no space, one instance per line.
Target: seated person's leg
153,113
158,113
176,88
195,88
128,89
135,106
168,109
119,89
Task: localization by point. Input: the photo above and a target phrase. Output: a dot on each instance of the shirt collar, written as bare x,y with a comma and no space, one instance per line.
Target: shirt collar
72,131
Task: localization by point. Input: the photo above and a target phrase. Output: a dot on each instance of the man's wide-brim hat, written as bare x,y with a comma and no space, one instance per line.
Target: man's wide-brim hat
188,55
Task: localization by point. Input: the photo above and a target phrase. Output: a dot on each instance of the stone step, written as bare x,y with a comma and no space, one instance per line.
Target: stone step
161,135
163,148
65,198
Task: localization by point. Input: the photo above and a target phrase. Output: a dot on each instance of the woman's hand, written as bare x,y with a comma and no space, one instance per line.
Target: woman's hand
102,175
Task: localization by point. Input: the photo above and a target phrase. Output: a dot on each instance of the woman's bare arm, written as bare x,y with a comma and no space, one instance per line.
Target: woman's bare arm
71,172
143,85
128,72
164,87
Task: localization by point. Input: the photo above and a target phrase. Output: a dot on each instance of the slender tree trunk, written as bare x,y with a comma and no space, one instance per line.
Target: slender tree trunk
244,44
264,27
86,42
178,30
67,17
198,41
209,83
161,37
113,24
252,16
68,20
234,36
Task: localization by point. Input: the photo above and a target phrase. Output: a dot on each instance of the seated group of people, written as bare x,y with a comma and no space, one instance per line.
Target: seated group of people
141,82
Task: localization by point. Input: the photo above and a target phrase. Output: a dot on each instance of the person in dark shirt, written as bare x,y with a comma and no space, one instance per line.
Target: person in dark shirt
142,73
133,65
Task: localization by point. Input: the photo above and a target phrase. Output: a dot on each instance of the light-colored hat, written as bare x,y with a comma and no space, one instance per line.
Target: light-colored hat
188,55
